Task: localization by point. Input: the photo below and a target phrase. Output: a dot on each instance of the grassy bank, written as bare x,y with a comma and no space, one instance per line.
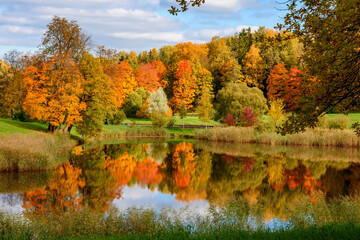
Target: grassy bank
312,219
34,151
312,137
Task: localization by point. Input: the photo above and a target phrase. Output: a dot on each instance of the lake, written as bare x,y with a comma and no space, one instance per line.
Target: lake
188,176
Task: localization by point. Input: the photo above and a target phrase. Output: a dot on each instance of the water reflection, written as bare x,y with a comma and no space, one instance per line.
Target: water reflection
272,179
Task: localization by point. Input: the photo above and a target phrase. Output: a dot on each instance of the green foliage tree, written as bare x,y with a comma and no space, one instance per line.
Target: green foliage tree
135,101
98,96
205,108
234,97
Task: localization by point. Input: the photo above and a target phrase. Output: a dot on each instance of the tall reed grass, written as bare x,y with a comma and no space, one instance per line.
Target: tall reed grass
311,137
239,220
33,152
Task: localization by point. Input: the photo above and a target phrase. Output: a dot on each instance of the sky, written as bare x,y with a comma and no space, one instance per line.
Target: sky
132,24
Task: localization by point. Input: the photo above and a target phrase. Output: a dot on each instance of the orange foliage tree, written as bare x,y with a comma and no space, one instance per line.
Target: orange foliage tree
52,92
161,72
123,79
147,77
277,81
184,86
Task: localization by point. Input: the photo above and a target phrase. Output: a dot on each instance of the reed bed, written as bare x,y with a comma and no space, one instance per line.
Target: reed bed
334,219
34,151
136,132
311,137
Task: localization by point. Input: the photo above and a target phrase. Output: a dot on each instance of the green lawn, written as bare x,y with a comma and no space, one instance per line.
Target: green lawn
9,126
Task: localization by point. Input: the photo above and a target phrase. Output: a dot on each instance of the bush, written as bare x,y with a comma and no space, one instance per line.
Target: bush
248,118
159,120
229,120
118,117
171,122
339,122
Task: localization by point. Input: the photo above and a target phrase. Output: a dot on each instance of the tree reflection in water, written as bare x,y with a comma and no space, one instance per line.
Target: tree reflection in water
270,180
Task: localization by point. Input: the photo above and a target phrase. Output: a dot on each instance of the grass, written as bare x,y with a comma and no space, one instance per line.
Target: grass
312,137
34,151
9,126
311,219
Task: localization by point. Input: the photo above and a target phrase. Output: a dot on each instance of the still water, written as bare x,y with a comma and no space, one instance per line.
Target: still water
194,175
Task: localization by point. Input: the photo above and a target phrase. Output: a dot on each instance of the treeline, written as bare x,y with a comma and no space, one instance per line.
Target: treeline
66,82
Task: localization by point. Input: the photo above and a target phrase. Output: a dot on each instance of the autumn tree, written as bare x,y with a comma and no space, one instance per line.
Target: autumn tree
329,31
98,96
219,54
158,108
147,77
52,92
205,107
231,72
123,79
161,72
64,38
277,81
253,66
184,86
233,98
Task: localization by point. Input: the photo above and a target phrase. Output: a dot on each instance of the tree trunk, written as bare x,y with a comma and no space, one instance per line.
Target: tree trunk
69,128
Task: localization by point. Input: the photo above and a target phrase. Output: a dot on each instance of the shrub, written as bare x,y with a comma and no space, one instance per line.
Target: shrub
159,120
118,117
339,122
229,120
248,118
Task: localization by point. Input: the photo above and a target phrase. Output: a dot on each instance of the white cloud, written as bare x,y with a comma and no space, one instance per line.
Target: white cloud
226,5
169,37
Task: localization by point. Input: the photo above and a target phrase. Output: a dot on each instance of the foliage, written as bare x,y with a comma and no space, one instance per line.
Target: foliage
118,118
98,95
147,77
159,120
205,107
52,92
254,68
248,118
340,122
158,102
64,38
135,102
123,80
329,32
233,98
229,120
184,86
276,112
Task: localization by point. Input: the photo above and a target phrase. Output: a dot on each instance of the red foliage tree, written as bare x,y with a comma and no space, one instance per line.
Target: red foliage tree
248,118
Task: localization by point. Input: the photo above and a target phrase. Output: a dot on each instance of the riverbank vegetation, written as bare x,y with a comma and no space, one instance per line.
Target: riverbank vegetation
311,137
34,151
333,220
